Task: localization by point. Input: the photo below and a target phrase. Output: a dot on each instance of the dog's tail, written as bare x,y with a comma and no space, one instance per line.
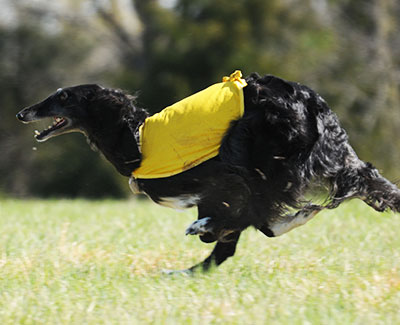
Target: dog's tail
367,184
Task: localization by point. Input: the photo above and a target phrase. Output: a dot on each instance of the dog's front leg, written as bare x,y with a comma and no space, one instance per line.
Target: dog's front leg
210,231
222,250
200,227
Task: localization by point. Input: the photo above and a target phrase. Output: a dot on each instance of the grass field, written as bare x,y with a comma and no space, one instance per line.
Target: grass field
82,262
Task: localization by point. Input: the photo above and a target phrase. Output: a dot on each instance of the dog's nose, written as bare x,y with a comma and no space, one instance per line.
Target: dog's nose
20,116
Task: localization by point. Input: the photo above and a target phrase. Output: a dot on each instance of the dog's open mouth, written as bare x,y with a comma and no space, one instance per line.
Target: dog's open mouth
59,125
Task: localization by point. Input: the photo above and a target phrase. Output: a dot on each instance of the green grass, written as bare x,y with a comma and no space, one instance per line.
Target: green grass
81,262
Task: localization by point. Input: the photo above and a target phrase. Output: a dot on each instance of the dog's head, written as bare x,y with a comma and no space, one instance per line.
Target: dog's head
67,108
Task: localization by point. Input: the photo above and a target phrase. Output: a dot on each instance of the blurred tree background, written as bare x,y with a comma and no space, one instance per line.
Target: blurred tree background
164,50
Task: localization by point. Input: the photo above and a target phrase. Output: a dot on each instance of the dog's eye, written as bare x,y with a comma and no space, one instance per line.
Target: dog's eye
63,95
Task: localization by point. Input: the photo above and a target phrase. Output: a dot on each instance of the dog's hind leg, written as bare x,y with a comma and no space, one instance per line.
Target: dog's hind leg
285,223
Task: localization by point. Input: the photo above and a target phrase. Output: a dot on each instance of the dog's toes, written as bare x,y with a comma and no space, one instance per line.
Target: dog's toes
199,227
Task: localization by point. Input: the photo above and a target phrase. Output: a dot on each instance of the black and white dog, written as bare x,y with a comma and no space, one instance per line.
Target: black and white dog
287,139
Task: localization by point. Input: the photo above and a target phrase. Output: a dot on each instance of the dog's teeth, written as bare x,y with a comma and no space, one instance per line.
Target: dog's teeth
37,132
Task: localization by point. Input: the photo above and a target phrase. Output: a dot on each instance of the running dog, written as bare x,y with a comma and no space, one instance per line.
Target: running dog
281,138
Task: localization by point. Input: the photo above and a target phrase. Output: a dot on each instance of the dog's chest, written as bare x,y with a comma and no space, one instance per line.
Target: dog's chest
178,202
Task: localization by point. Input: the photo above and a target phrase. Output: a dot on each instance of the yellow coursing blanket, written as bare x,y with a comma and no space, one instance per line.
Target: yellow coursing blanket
190,132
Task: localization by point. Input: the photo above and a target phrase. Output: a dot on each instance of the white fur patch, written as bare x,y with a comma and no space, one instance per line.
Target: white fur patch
180,202
306,94
321,99
293,221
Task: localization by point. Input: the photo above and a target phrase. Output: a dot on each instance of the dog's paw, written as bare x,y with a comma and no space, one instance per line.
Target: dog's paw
200,227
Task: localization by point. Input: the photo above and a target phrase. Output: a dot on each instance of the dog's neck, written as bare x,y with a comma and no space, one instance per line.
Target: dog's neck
116,137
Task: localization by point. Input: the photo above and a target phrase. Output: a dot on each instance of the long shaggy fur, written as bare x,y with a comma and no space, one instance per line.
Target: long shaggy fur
287,140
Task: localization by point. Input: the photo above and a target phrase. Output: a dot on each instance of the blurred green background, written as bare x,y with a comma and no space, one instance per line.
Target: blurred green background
163,50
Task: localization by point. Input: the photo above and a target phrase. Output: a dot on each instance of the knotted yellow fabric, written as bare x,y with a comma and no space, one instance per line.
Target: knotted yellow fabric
190,131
